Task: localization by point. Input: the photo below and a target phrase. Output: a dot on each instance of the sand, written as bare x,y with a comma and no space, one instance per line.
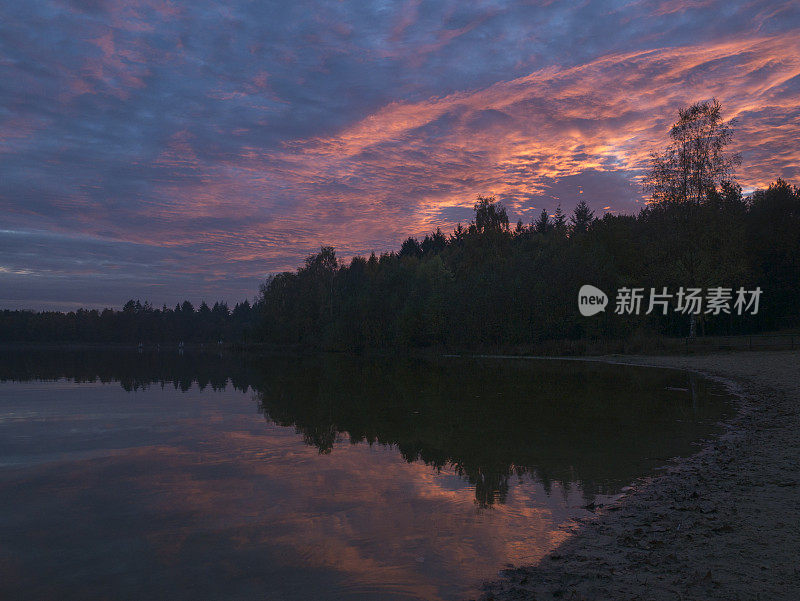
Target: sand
722,524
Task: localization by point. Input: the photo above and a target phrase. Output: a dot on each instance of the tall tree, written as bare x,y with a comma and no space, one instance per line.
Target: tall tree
434,243
581,219
683,178
411,248
696,161
542,225
560,222
490,215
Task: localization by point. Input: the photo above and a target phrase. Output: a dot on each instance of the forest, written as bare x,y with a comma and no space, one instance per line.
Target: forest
491,284
136,323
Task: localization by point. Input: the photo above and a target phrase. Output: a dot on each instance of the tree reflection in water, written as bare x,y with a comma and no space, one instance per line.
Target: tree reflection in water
589,425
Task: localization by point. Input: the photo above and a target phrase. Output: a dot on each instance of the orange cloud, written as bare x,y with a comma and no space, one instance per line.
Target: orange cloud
408,167
393,172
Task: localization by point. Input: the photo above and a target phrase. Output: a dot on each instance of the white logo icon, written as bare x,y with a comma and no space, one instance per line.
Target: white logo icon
591,300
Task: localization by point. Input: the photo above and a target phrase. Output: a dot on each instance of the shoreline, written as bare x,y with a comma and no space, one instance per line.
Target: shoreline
723,523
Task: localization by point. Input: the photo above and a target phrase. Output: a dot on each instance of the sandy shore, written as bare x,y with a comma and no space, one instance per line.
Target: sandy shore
722,524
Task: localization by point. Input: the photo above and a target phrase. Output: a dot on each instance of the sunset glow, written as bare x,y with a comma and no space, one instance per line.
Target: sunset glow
172,150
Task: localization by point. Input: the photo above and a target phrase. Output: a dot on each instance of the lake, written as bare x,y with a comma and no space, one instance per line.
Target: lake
160,475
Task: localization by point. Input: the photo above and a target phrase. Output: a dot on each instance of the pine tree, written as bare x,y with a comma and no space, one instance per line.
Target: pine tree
560,221
543,225
581,219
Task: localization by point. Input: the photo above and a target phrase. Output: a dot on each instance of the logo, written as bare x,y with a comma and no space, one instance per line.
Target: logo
591,300
715,300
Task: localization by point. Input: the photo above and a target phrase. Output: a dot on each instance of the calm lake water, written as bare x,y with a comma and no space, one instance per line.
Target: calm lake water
159,476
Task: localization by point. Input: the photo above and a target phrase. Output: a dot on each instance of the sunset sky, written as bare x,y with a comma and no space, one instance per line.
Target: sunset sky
165,150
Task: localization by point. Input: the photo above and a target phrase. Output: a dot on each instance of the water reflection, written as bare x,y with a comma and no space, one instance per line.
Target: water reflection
408,479
593,425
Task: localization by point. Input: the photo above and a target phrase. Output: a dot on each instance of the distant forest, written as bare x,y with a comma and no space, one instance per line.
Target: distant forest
136,322
491,284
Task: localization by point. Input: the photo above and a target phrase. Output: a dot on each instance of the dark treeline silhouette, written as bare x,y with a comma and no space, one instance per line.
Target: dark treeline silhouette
490,284
569,424
136,322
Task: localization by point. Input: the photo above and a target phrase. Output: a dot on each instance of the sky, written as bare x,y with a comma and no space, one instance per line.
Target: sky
164,150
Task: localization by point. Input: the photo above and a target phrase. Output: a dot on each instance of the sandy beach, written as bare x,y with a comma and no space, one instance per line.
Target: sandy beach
721,524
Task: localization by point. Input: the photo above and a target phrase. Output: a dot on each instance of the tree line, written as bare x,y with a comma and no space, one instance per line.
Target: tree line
137,322
490,284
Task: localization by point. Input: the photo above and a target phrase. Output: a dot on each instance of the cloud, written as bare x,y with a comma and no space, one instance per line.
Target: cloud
232,140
